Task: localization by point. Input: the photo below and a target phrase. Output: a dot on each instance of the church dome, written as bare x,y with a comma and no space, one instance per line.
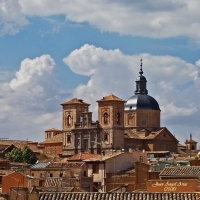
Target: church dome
141,100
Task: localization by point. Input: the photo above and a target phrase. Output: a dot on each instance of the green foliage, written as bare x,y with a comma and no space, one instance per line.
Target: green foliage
28,155
25,155
15,155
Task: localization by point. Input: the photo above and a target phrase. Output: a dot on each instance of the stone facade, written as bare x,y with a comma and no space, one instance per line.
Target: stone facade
132,124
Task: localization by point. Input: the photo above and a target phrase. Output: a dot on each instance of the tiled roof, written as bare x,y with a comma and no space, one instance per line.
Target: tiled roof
65,165
128,133
154,134
118,196
53,129
186,171
21,144
190,141
53,182
84,156
111,97
103,158
75,101
57,138
40,165
5,172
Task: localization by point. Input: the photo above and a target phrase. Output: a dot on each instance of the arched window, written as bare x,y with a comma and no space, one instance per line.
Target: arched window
69,120
105,118
118,118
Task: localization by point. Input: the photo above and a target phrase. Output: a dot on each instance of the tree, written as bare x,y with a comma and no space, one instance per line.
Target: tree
25,155
15,155
28,155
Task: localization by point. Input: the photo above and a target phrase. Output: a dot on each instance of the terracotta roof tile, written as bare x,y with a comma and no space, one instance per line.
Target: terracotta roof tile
111,97
21,144
117,196
103,158
65,165
53,182
75,101
53,129
84,156
57,138
186,171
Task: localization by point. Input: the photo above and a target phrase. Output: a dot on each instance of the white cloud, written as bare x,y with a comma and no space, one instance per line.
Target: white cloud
30,101
11,17
171,81
156,19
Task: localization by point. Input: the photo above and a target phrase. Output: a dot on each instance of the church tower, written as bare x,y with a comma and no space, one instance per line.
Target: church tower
141,110
111,119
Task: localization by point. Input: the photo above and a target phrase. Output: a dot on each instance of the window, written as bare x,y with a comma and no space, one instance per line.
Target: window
95,168
69,120
143,121
85,144
105,118
51,175
118,118
85,174
105,136
68,138
61,174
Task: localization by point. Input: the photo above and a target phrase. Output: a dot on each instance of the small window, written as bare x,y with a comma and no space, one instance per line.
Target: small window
85,174
61,174
69,120
51,175
143,121
118,118
68,138
105,136
95,168
32,174
105,116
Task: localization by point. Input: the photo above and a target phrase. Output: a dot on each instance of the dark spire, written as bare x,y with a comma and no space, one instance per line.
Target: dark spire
141,72
141,82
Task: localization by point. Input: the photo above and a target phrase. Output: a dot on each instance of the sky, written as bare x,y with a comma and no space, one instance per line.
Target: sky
52,51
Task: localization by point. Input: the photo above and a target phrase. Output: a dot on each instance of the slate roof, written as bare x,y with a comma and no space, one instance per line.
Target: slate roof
118,196
40,165
186,171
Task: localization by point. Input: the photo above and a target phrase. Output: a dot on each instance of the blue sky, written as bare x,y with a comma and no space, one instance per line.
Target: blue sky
52,51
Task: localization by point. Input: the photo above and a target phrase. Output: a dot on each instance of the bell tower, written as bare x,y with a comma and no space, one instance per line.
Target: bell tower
111,119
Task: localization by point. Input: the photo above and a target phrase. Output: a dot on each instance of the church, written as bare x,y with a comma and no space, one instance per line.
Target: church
122,125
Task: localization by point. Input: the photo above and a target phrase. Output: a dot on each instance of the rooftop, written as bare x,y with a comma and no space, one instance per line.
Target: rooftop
115,196
186,171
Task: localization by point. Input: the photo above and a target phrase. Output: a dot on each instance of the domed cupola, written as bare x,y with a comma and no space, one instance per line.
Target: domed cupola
141,100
